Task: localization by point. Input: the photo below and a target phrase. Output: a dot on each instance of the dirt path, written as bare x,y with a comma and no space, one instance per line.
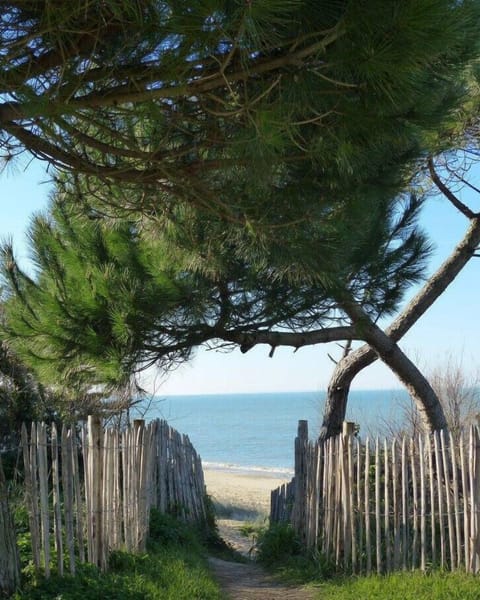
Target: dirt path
248,499
248,581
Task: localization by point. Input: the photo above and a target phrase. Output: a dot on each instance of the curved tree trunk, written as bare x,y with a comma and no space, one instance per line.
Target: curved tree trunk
348,367
421,392
339,387
9,560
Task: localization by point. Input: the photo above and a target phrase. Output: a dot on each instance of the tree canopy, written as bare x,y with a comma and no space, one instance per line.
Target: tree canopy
110,297
191,99
257,154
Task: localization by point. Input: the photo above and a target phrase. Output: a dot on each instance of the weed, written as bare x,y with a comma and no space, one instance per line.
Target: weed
277,544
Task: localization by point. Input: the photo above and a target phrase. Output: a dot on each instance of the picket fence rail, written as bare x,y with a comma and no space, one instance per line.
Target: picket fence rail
91,493
380,506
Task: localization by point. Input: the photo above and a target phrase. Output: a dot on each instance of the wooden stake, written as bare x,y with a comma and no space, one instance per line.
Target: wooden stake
67,484
57,515
31,496
447,488
368,539
439,472
404,484
415,504
456,500
44,508
387,508
423,506
377,508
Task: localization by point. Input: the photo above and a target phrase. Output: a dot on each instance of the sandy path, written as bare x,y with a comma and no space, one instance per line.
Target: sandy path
245,498
240,498
250,582
241,493
229,530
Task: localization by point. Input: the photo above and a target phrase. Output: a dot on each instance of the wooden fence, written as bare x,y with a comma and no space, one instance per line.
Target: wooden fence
386,505
92,493
9,557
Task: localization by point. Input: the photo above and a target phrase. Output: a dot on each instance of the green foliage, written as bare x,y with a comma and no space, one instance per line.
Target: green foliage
173,569
165,529
280,550
278,544
255,155
95,296
172,575
402,586
22,400
189,100
110,298
250,529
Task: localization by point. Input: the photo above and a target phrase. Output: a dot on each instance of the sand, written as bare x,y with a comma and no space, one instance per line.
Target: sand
240,492
239,498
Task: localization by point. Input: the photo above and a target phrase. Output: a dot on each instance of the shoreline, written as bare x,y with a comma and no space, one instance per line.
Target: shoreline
252,471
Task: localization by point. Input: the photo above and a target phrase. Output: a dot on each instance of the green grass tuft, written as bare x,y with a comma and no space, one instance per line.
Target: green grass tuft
436,585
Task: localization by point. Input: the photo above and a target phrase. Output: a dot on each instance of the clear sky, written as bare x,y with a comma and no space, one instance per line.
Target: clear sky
450,328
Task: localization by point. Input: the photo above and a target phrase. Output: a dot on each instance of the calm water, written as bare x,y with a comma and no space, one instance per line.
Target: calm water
248,432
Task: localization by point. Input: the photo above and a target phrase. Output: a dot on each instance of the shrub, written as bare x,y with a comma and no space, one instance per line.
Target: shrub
278,543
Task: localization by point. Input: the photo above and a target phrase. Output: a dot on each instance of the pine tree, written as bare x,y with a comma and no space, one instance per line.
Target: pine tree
353,362
270,138
190,99
110,298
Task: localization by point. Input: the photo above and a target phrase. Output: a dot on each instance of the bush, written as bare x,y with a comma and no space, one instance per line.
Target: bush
168,530
277,544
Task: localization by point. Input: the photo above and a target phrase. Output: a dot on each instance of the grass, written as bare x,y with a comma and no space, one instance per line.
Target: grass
160,574
281,553
173,568
403,586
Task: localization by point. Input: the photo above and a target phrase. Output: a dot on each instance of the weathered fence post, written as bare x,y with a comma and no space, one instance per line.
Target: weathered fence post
348,428
141,468
9,559
298,514
97,552
31,496
475,500
42,462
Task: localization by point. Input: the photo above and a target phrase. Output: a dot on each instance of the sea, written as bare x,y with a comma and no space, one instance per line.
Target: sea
255,433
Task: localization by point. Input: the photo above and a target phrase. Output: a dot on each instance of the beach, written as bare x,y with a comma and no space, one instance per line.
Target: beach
240,498
241,492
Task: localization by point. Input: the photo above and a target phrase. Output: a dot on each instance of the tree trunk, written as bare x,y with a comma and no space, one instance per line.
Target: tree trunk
421,392
339,387
348,367
9,559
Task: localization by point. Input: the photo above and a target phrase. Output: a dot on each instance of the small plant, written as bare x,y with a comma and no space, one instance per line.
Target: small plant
167,529
249,530
253,531
278,543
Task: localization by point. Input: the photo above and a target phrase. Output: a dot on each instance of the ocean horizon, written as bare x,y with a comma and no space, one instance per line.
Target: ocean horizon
255,433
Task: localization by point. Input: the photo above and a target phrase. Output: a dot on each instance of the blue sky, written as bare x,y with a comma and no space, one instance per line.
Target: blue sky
450,328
